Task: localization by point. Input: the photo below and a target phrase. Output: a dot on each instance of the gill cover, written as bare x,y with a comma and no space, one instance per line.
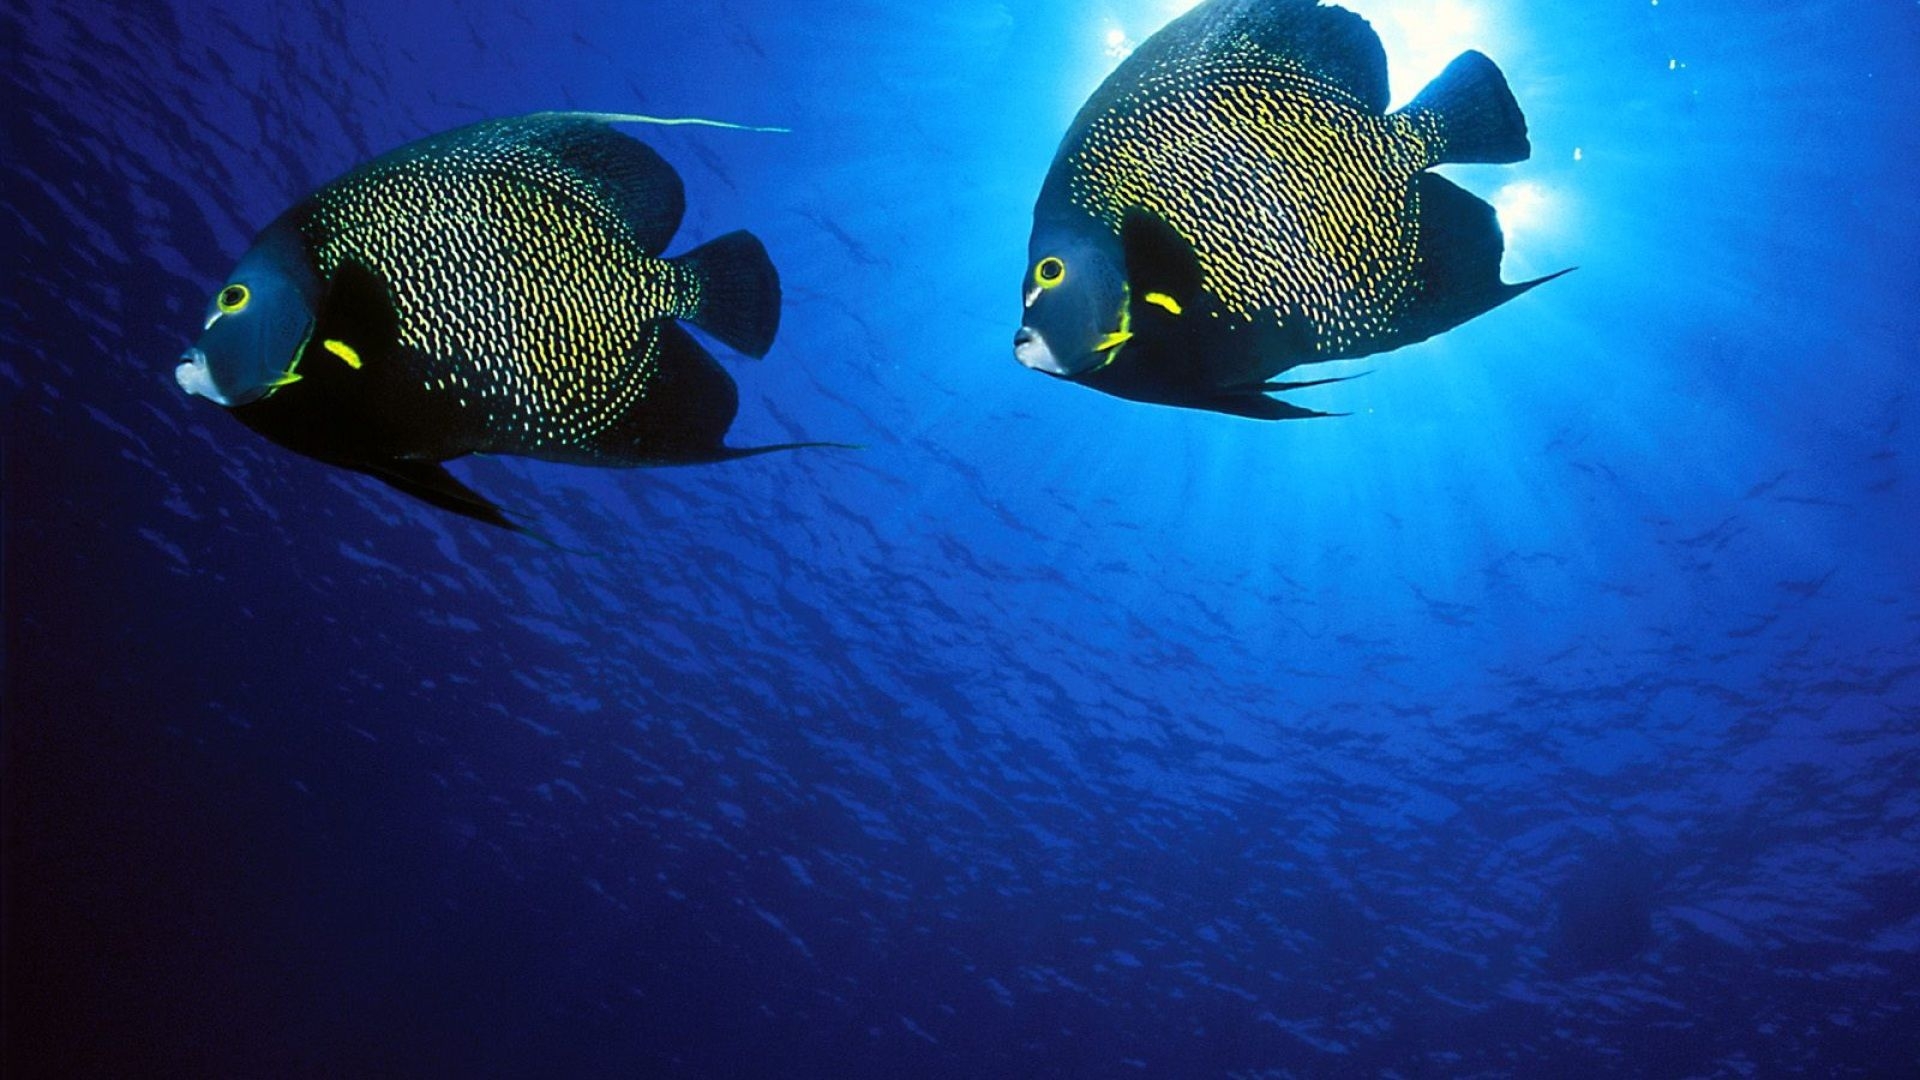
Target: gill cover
256,325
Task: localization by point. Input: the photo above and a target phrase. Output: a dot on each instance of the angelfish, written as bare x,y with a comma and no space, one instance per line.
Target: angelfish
499,288
1235,201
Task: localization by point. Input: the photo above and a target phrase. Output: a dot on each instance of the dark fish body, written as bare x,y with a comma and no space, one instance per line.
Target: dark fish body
1235,201
500,288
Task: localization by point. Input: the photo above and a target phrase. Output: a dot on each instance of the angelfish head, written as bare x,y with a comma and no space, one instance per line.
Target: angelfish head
1075,291
256,325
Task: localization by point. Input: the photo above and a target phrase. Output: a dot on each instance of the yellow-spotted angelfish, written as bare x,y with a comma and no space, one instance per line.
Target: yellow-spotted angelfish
1235,201
501,289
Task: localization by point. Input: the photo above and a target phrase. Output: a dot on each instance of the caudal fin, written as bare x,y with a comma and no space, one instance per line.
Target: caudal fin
1479,121
739,292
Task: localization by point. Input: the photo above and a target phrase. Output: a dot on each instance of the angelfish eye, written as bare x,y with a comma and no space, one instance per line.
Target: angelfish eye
1050,272
232,299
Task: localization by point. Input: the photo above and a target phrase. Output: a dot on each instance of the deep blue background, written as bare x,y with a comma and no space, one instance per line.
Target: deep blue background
1557,713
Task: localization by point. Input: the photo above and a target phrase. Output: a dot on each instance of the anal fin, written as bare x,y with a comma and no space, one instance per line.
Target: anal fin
683,412
683,419
430,482
1256,406
1459,271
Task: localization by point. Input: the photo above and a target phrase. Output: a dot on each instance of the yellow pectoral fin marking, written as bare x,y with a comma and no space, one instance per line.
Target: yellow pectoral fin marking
1162,300
344,351
1108,347
286,379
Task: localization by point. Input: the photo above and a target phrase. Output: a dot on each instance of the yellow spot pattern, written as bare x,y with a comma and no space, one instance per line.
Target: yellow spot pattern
1296,199
516,281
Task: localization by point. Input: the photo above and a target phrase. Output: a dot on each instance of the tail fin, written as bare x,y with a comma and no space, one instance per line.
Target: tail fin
739,292
1479,121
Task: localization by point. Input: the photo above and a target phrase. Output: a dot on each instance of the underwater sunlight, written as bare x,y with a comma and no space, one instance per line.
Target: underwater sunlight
1240,538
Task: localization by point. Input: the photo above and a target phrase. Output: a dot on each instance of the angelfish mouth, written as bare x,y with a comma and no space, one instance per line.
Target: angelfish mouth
196,378
1031,350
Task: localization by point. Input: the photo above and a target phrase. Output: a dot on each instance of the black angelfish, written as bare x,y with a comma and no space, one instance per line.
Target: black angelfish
1235,201
500,289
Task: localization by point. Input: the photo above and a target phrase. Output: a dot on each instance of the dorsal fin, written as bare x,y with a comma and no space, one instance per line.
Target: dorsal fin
625,174
1330,42
575,156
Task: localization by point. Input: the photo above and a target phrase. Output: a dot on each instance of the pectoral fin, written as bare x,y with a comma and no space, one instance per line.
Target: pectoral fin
1162,269
357,321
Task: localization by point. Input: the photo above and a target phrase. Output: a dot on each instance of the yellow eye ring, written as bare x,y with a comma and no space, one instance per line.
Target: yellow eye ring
233,298
1049,272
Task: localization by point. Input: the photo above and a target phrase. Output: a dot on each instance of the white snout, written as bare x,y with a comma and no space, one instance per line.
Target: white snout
194,378
1030,348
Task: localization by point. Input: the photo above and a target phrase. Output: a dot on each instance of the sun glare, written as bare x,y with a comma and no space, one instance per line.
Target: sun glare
1525,209
1422,36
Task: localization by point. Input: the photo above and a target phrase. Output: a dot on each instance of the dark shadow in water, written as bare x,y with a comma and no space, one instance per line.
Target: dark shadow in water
1604,909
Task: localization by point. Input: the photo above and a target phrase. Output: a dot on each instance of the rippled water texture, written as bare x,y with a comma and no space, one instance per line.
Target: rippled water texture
1557,713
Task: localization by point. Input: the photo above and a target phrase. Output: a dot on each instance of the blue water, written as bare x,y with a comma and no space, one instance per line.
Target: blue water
1557,713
